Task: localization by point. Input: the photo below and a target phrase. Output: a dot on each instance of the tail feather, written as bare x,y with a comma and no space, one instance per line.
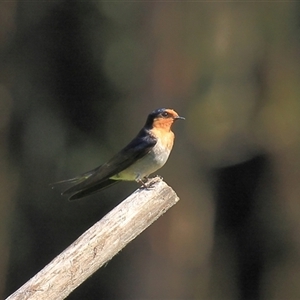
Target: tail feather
84,187
91,190
71,180
77,179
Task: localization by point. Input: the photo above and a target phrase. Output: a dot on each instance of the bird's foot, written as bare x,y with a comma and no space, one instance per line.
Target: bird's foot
148,182
143,183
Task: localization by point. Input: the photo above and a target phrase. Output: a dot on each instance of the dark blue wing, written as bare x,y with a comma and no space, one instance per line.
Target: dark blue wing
135,150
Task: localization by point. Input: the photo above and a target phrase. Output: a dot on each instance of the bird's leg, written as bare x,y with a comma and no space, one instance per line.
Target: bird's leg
145,184
144,181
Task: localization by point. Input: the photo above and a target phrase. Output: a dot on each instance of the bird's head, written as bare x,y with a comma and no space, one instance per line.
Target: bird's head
162,118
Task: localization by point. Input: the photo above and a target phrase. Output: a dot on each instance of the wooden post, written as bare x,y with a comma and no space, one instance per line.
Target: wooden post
99,244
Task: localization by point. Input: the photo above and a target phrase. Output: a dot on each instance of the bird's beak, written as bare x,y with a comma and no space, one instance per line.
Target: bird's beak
179,118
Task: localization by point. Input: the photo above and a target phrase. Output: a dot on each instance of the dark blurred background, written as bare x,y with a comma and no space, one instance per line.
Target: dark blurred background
77,80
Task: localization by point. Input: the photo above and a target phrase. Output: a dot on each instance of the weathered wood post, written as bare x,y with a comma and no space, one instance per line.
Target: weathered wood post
99,244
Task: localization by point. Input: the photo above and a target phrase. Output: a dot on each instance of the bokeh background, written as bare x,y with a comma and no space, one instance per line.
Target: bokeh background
77,80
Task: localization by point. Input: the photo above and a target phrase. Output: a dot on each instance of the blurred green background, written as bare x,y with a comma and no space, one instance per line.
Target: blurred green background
77,81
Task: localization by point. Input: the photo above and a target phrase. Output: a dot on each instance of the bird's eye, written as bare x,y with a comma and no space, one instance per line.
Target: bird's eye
165,114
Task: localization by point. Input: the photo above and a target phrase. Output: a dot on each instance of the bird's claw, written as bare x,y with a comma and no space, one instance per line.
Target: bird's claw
148,185
143,183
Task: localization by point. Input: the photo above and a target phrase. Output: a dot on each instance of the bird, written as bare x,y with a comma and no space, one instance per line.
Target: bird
144,155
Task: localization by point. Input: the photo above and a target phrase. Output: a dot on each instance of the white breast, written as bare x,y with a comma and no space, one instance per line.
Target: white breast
148,164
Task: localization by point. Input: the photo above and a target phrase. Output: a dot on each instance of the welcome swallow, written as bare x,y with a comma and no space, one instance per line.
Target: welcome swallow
145,154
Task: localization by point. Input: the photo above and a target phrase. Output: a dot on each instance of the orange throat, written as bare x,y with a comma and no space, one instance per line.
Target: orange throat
163,124
162,131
